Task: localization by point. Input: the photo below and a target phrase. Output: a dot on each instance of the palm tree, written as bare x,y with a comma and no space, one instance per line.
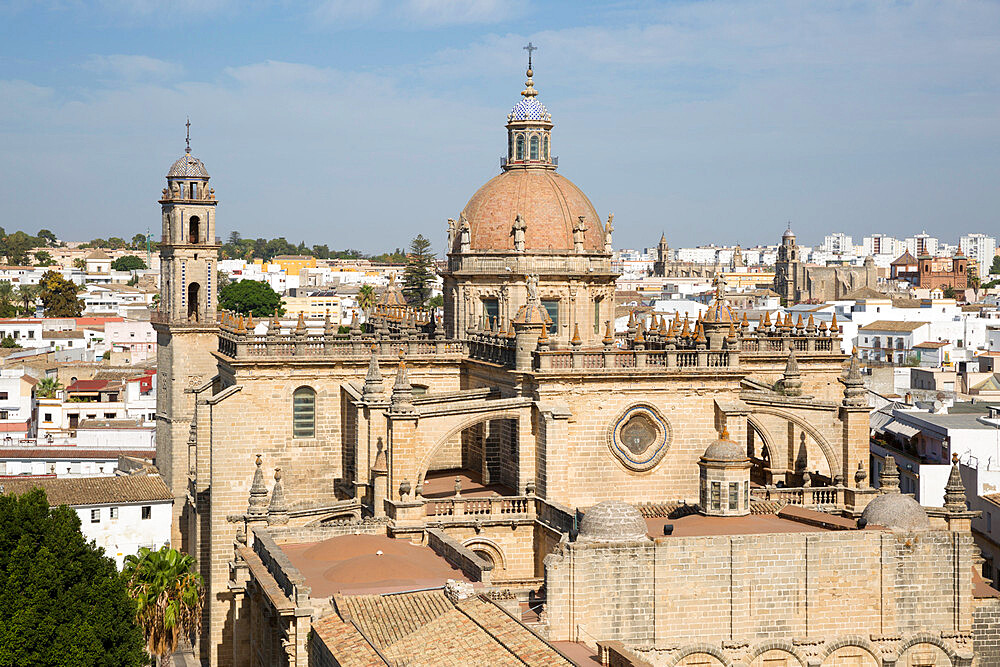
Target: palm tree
366,298
27,294
48,387
168,595
6,298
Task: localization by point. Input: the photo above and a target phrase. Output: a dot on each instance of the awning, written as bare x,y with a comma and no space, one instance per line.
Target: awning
901,429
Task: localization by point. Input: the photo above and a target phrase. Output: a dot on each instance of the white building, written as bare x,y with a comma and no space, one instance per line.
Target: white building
121,514
838,244
922,244
131,341
981,248
17,403
880,244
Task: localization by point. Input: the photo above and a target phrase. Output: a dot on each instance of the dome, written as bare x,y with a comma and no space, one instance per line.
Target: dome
529,108
724,450
187,166
789,234
549,203
895,510
612,521
718,311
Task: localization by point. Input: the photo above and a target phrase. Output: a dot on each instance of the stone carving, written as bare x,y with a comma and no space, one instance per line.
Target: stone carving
639,437
608,229
452,230
517,231
532,283
465,234
579,230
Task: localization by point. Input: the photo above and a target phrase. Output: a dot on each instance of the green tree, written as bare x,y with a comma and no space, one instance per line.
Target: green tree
366,298
59,296
48,387
128,263
948,292
7,298
98,243
62,602
995,267
49,238
17,247
221,279
419,272
80,263
9,342
27,295
116,243
44,258
139,242
169,596
250,297
436,301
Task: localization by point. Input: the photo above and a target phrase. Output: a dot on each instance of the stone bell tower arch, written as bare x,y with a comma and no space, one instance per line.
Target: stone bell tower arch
185,321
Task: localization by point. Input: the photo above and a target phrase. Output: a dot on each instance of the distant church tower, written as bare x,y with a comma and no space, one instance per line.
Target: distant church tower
786,267
185,327
662,257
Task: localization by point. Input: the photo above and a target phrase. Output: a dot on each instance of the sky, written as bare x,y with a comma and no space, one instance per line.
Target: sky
361,124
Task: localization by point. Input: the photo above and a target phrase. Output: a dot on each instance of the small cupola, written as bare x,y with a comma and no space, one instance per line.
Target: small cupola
529,127
725,479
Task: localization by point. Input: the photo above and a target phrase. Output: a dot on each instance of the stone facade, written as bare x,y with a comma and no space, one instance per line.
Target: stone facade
796,281
544,424
782,599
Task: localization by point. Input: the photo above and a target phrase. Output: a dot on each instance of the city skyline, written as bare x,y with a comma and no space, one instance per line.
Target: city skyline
714,123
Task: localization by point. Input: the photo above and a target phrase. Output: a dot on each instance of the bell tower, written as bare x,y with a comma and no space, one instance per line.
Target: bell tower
185,324
188,251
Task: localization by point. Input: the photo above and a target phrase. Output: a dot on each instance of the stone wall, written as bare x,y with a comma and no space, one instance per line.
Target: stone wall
658,596
986,631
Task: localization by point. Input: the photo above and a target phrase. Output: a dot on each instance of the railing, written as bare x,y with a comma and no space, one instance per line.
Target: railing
492,506
631,359
808,496
243,345
527,263
492,347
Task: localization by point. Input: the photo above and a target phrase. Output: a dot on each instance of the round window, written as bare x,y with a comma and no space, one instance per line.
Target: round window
639,437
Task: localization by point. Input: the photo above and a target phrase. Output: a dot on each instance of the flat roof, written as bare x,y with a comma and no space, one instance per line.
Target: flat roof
698,525
351,564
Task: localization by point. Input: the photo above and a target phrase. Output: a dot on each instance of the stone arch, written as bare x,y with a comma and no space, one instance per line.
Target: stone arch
426,459
856,641
774,645
918,638
829,453
702,649
489,547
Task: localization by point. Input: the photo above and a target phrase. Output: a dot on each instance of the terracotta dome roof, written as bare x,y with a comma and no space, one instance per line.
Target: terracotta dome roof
724,450
549,203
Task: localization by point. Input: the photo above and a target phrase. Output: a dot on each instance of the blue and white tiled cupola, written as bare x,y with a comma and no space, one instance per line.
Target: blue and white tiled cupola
529,126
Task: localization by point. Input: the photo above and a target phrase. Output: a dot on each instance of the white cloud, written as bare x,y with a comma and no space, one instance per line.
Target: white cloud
460,12
132,67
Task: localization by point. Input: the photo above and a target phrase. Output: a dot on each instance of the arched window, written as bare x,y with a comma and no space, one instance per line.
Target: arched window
520,147
193,229
193,297
545,148
534,147
304,413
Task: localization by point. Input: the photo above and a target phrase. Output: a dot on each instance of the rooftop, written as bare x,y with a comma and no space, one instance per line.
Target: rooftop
698,525
77,491
428,628
353,564
892,325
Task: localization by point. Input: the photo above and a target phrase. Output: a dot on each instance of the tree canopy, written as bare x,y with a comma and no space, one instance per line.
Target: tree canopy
250,297
995,268
419,272
59,296
128,263
62,602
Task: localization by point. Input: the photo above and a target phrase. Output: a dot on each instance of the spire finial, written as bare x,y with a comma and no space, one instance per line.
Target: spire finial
529,48
187,137
529,85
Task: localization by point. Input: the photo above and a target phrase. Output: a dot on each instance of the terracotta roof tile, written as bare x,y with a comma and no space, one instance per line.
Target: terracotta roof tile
77,491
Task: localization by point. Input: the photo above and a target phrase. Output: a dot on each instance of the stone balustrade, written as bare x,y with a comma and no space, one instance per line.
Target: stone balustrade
616,359
492,506
241,345
807,496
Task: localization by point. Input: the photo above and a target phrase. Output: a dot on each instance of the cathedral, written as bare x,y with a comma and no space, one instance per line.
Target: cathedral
514,482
